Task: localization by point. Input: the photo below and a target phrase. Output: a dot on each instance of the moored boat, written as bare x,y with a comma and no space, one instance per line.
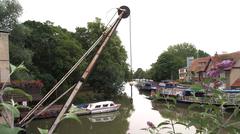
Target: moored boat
104,106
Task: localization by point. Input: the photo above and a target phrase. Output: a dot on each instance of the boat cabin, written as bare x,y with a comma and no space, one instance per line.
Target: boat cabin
103,104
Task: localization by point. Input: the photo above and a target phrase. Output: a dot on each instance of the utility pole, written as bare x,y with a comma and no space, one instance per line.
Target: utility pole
130,42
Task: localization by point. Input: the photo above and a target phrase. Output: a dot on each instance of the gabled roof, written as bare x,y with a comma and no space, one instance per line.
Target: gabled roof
236,83
200,64
217,58
233,56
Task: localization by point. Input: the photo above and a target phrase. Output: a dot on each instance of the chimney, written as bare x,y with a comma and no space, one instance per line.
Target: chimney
4,57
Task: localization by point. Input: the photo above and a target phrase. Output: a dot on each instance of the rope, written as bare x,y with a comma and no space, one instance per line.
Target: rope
85,75
48,105
111,19
64,77
60,82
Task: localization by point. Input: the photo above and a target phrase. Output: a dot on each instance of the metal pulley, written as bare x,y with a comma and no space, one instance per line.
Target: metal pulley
124,9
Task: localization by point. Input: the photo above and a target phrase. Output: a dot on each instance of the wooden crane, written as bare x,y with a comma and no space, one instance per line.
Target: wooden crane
123,12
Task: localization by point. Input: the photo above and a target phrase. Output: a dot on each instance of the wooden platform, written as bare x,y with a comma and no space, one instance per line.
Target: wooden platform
49,113
53,112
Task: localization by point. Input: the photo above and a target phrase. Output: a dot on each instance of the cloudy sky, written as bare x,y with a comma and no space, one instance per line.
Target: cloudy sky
211,25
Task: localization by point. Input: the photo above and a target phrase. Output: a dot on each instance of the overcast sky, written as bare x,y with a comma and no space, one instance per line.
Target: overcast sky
211,25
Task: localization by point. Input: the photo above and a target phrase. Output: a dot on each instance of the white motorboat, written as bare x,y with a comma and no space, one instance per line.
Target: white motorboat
104,106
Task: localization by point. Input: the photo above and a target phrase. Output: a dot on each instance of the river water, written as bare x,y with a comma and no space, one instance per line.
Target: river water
130,119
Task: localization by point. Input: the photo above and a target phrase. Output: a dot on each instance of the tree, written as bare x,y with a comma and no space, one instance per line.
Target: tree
18,37
111,68
10,10
168,63
139,74
50,51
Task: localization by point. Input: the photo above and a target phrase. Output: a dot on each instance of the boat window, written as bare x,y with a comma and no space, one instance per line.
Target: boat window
105,118
105,105
111,104
98,106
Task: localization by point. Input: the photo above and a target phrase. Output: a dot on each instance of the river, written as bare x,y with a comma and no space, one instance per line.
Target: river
130,119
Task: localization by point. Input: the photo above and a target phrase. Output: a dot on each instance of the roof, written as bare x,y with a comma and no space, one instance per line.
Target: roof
199,64
236,83
233,56
217,58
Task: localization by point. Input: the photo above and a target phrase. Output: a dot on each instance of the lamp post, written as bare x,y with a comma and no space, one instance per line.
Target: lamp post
131,84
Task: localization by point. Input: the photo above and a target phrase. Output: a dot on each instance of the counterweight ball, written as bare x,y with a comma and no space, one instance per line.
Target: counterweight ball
126,11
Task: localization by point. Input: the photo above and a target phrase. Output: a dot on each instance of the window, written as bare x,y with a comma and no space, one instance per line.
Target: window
111,104
223,74
98,106
105,105
105,118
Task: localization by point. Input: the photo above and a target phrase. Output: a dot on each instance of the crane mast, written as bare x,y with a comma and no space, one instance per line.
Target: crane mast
123,12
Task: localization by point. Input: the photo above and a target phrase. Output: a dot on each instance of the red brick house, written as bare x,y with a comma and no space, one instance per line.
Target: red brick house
201,66
198,68
232,74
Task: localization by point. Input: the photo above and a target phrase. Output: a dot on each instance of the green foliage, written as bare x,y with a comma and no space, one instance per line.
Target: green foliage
15,112
9,109
43,131
10,90
111,68
139,74
50,51
197,88
20,67
168,63
168,124
10,10
71,116
4,129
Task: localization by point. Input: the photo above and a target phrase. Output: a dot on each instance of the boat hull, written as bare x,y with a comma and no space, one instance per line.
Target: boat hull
107,109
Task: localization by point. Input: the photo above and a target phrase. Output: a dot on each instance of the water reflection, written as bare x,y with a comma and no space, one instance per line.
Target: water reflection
106,123
104,117
130,119
146,110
